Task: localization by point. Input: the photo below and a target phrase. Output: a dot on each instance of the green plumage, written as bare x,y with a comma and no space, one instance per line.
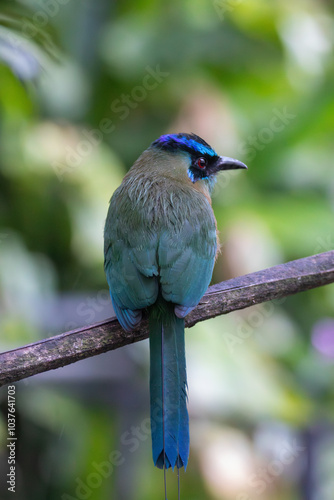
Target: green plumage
160,246
160,232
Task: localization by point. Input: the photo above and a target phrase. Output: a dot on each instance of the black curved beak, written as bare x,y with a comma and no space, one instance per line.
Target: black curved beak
226,163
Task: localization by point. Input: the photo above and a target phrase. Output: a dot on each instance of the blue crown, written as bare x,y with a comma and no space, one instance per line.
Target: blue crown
190,143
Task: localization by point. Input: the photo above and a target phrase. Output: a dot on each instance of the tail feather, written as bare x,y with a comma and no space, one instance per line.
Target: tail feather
168,388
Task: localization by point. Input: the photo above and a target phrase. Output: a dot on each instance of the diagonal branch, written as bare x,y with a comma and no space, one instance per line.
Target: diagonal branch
238,293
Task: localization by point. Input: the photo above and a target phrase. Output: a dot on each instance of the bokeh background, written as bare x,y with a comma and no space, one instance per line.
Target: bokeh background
84,88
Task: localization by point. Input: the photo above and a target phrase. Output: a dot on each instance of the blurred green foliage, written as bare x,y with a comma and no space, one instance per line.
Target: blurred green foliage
84,88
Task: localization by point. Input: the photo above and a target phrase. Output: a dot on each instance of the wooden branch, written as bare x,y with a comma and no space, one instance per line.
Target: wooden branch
238,293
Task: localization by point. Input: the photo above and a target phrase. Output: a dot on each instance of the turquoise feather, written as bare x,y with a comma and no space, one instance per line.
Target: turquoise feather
168,388
160,245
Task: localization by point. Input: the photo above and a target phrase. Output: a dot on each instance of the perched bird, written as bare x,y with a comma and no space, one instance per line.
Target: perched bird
160,248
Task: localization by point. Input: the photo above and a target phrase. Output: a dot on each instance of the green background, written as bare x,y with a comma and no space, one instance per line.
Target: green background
78,104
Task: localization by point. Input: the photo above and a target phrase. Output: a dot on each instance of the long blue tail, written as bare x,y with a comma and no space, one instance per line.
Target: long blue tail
168,388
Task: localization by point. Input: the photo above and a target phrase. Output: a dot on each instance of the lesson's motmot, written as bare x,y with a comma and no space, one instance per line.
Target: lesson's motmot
160,248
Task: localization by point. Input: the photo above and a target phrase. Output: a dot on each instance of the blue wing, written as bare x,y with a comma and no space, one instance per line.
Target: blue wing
186,261
132,277
174,255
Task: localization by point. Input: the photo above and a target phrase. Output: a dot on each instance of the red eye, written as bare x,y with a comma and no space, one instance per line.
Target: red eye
201,162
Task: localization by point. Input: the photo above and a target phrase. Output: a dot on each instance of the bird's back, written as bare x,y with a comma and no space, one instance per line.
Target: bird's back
160,233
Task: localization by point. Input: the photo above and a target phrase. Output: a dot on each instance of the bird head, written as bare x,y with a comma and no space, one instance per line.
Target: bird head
203,161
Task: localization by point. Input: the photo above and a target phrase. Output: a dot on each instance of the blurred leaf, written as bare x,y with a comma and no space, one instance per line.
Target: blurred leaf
24,45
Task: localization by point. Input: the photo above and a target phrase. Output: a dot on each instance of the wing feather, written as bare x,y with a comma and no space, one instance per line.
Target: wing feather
172,252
